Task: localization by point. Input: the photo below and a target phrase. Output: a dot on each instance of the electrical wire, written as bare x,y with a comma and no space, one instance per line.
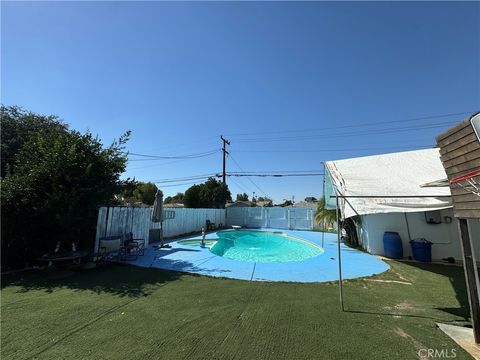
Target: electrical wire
275,172
373,123
159,157
193,177
346,134
185,145
181,184
231,157
275,175
155,165
246,189
415,147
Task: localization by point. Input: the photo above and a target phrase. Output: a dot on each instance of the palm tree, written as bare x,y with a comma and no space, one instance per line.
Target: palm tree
325,216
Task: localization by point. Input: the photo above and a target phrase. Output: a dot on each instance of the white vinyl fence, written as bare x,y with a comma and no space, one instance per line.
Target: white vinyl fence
273,217
125,219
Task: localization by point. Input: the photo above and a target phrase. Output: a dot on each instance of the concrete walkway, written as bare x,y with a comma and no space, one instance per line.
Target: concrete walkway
194,259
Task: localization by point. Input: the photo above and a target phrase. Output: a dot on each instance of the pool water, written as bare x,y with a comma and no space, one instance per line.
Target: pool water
263,247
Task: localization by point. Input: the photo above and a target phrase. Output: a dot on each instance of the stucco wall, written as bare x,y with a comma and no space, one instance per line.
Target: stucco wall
444,236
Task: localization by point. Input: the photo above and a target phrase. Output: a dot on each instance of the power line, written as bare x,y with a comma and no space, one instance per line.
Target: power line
235,161
274,171
373,123
193,177
185,145
338,149
242,186
345,134
159,157
181,184
155,165
276,175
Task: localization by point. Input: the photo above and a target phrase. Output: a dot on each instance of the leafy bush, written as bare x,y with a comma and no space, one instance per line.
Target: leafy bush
53,188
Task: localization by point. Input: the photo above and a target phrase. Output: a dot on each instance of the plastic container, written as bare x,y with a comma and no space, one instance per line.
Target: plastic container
392,245
421,250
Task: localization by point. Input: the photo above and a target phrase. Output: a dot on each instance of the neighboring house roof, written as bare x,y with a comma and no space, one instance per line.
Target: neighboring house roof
173,205
238,204
305,204
263,203
401,174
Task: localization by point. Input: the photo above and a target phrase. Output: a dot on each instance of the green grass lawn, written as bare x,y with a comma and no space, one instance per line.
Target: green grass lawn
123,312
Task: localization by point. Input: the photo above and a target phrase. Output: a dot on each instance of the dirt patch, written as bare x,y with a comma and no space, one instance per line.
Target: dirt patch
402,277
390,281
417,344
405,306
401,308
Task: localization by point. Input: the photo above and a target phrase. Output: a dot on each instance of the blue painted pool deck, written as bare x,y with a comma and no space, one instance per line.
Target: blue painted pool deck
322,268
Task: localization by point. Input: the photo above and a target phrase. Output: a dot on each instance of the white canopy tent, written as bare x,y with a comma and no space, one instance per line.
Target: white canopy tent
387,183
390,183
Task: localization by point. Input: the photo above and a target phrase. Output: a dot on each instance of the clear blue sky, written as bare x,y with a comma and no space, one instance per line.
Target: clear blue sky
180,74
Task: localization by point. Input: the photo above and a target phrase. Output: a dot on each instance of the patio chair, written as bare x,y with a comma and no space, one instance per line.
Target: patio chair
132,247
109,248
209,225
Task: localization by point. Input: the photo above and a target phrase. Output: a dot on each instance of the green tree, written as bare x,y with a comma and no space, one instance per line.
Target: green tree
126,196
53,189
242,197
211,194
192,197
144,193
18,126
176,199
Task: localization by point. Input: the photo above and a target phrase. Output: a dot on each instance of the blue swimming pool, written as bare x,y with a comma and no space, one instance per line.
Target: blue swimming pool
263,247
186,255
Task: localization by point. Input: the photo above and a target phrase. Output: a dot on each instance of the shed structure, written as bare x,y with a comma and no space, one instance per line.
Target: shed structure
460,155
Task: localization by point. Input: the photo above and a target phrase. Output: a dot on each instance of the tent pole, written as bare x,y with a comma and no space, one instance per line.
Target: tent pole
340,284
324,205
408,227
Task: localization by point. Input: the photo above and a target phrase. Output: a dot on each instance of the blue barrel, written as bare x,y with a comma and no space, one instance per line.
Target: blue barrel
421,250
392,245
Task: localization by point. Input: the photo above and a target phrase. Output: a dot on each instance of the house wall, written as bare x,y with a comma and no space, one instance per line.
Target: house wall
444,236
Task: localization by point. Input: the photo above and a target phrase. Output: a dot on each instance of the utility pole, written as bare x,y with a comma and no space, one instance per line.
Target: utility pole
225,152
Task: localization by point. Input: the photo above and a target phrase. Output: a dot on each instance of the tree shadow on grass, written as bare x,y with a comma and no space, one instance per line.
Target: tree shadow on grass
117,279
